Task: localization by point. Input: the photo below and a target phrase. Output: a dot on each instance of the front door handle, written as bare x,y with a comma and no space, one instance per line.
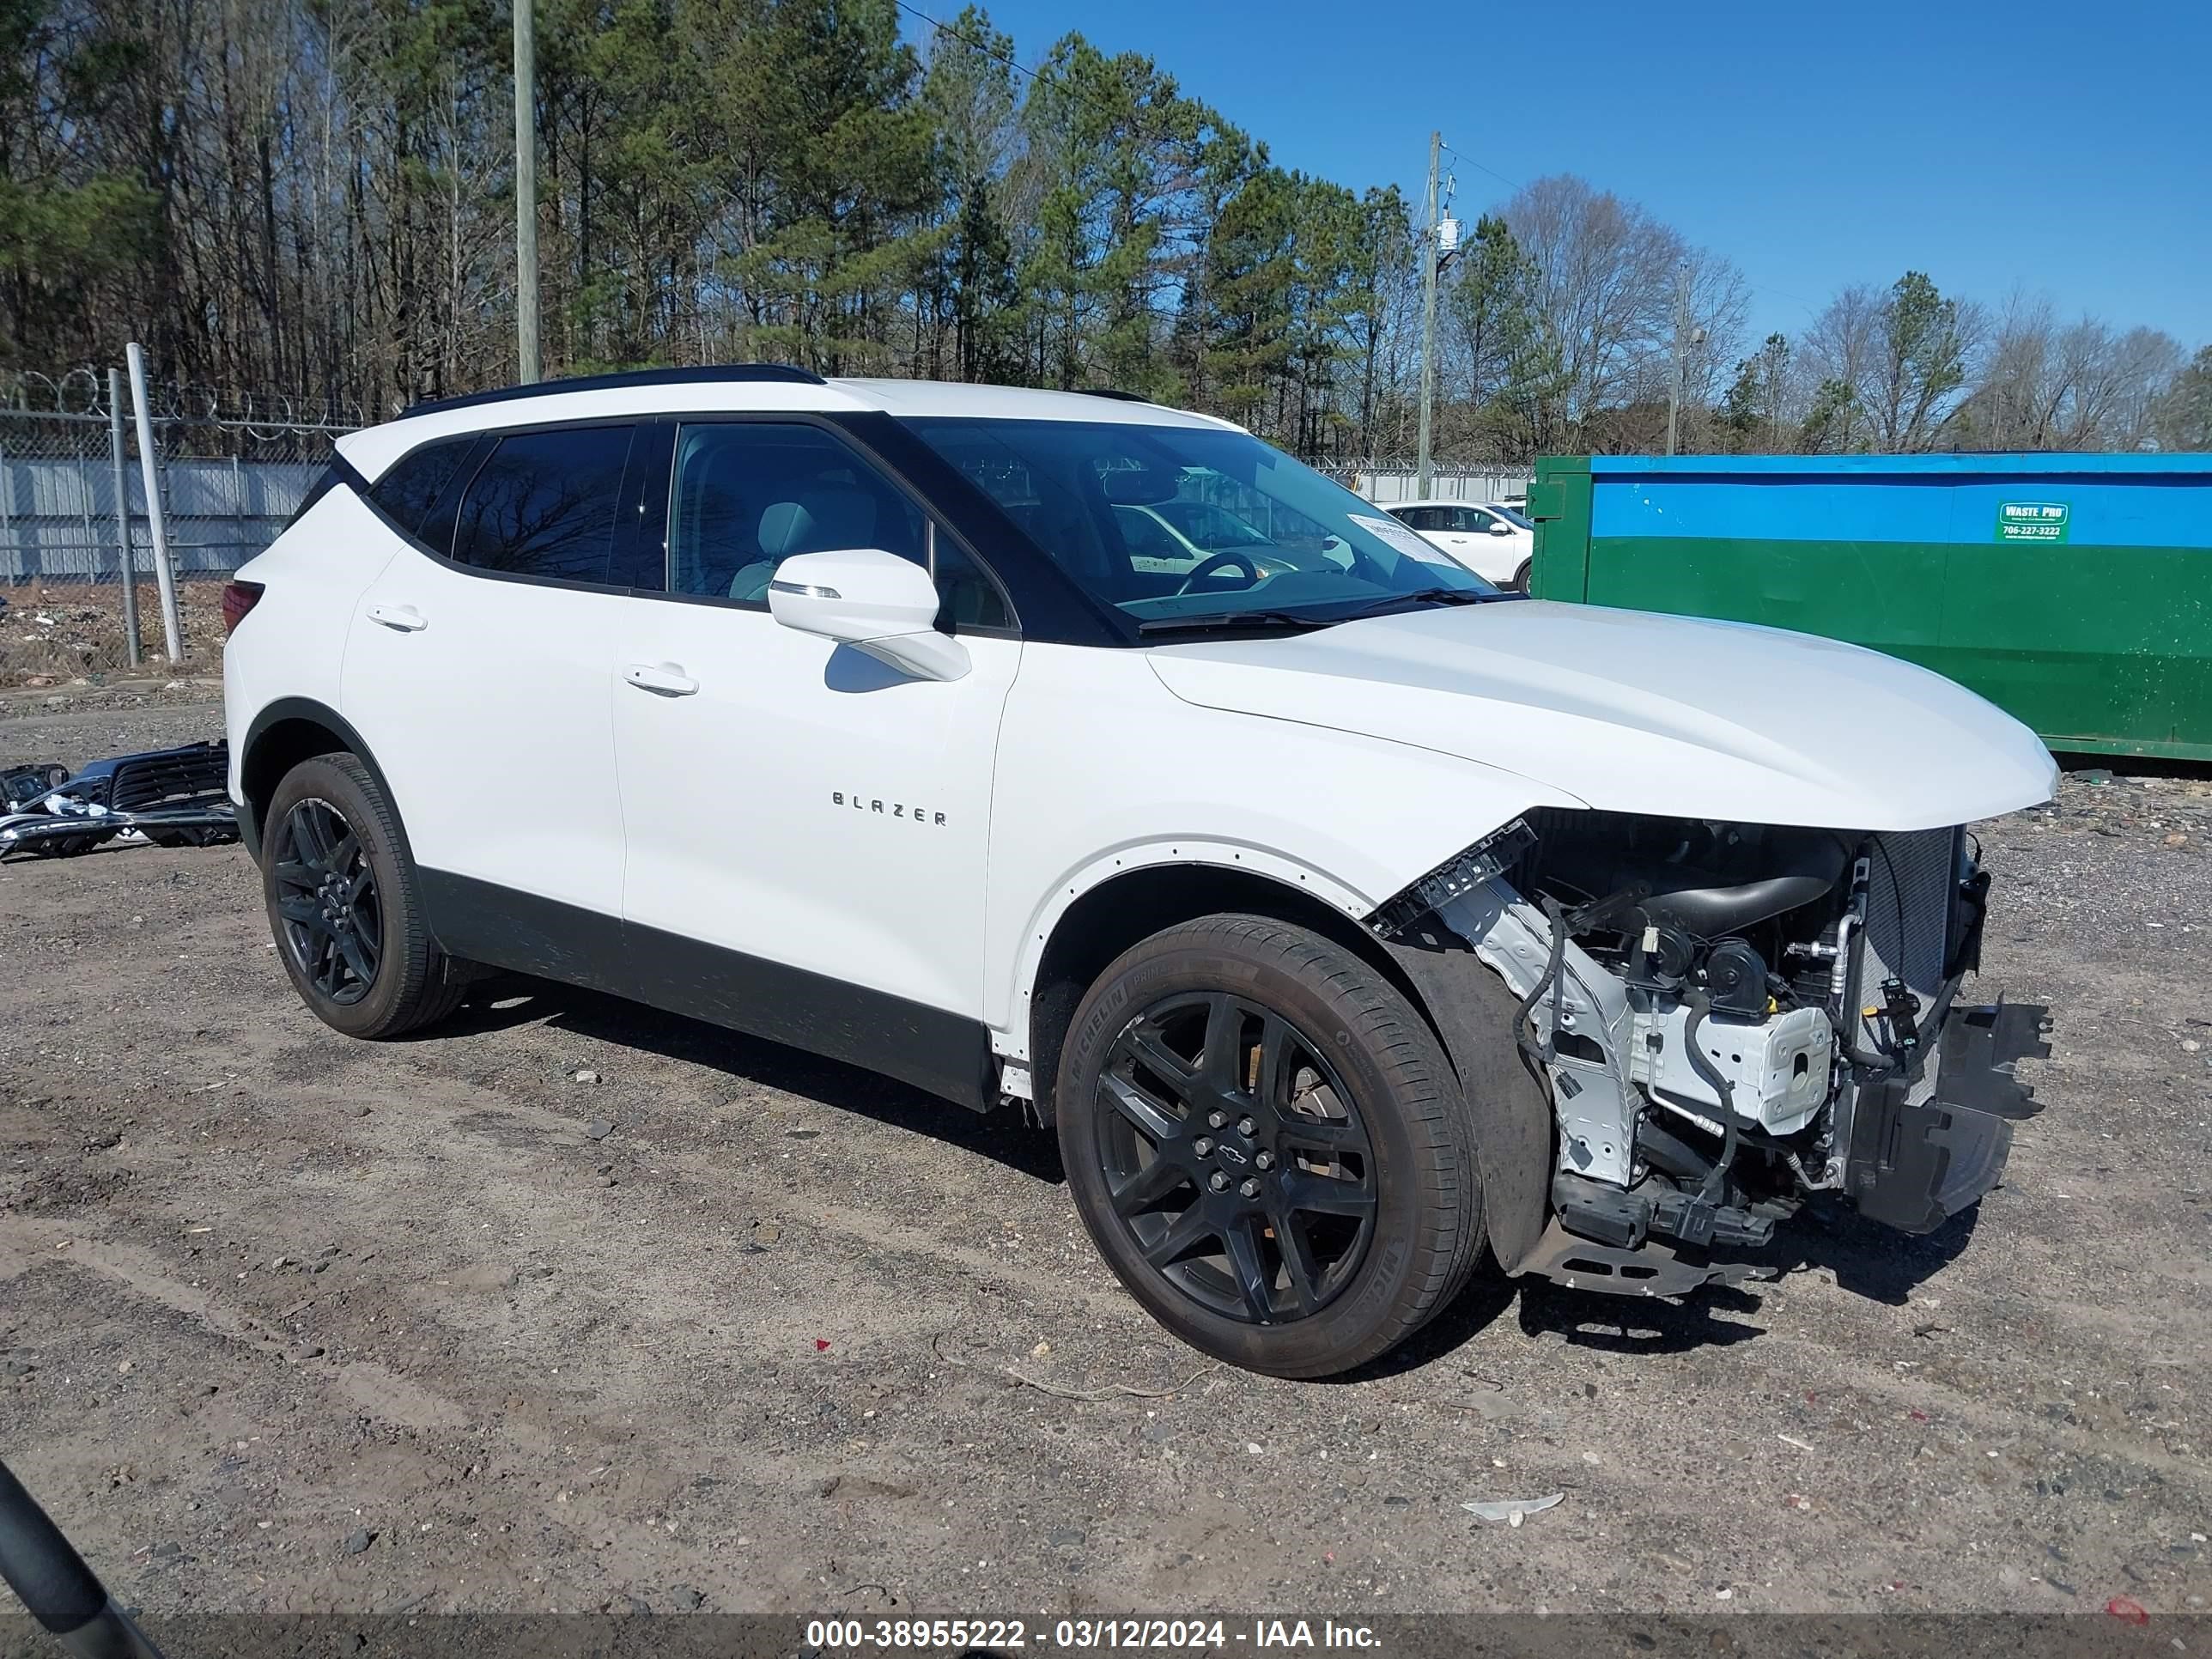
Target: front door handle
400,618
663,679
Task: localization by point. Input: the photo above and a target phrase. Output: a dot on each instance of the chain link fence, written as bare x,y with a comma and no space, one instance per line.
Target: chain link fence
233,467
231,470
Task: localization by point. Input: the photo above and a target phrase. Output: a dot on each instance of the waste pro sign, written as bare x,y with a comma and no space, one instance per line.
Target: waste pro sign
2033,521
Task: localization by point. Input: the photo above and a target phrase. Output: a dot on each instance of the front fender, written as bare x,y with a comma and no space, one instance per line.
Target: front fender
1102,770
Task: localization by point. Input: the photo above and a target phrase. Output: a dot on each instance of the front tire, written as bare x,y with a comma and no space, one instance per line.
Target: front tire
1268,1147
344,904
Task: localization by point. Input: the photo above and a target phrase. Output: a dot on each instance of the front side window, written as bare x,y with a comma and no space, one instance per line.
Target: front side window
543,505
748,494
1252,530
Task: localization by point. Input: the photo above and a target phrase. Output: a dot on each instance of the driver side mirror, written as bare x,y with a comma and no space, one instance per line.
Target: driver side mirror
1499,528
871,600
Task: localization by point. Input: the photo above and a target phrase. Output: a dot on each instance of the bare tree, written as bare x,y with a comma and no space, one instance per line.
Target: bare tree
1604,288
1606,276
1838,355
2184,412
1720,302
2077,386
2112,383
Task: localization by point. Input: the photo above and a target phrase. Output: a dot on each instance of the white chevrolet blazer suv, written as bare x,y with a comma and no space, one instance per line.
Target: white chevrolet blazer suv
1353,923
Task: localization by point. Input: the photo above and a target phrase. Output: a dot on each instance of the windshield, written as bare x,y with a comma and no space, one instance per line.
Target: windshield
1169,522
1510,516
1212,527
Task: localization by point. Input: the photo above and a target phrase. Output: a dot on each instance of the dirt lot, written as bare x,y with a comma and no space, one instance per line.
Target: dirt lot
70,635
289,1322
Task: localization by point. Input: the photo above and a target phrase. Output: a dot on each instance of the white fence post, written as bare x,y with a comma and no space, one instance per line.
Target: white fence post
125,560
19,567
149,465
237,507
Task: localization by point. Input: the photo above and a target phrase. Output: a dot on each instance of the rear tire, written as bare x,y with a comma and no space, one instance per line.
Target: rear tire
344,906
1268,1147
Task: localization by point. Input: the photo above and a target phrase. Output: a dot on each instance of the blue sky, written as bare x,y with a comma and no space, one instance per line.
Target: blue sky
2066,150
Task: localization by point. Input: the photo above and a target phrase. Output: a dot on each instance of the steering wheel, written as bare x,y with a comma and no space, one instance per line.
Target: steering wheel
1213,562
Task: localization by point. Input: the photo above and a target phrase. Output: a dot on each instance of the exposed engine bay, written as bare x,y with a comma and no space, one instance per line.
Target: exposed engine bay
1733,1020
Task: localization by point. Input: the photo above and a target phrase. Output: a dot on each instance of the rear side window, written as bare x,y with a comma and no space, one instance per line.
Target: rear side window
410,486
543,505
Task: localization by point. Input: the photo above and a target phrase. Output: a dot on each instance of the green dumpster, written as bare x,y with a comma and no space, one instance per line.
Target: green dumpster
2074,590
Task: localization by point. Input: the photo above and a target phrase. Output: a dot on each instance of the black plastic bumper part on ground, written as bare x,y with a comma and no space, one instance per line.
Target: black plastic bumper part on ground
1914,1167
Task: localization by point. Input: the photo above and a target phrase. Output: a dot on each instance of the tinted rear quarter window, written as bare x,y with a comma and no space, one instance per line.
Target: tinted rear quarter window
410,486
543,505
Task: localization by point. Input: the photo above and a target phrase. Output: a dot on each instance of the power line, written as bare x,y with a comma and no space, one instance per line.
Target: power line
1784,293
969,40
1005,59
1460,155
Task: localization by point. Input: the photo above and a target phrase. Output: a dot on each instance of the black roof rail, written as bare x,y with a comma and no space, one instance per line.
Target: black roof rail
735,374
1119,396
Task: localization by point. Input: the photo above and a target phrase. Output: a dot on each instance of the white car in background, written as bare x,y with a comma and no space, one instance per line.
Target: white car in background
1490,539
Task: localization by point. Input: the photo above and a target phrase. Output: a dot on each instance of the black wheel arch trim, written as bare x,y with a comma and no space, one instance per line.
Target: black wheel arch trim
1473,1011
1139,908
309,711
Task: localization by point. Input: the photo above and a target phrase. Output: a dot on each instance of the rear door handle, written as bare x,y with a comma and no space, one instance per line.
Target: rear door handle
662,678
400,618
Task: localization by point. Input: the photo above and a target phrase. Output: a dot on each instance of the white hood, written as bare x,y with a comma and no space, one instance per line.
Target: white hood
1632,712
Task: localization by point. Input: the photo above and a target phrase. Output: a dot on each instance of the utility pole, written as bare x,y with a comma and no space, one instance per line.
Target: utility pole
525,192
1424,471
1777,350
1682,329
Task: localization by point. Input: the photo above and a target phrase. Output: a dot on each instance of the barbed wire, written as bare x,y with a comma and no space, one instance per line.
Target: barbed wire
1442,468
267,415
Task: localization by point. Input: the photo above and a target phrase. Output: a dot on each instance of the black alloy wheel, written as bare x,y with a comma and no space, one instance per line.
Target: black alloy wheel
345,903
1267,1145
325,894
1235,1157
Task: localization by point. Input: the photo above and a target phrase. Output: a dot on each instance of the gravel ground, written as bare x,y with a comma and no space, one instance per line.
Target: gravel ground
292,1323
71,635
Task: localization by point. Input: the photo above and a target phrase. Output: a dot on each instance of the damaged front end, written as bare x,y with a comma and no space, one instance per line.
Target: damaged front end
1729,1019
